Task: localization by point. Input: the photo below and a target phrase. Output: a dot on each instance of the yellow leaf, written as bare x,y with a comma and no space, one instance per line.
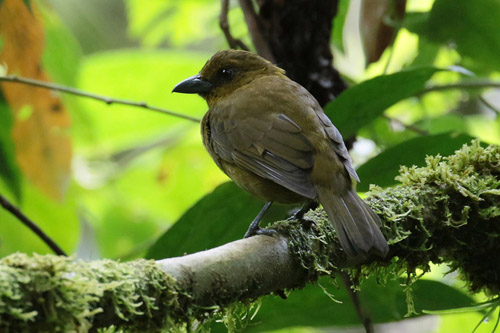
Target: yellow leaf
41,128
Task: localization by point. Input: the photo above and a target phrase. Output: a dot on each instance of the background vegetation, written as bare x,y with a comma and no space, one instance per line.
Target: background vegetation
123,183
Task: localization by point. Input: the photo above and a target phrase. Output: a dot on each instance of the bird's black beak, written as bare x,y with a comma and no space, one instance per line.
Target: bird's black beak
193,85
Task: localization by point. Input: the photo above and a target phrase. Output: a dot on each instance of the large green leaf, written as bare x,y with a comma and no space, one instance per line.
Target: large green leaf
471,26
382,169
361,104
220,217
62,53
313,308
9,170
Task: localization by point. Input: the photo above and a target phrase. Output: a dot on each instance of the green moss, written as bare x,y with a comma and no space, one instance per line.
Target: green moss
58,294
312,244
447,211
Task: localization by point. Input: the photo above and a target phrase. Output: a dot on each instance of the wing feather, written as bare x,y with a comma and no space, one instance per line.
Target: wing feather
274,148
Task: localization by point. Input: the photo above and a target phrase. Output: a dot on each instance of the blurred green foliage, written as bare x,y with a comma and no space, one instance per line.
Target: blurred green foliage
135,172
9,171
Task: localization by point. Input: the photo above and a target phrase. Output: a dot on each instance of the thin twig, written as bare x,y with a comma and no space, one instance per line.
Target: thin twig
461,85
234,43
105,99
31,225
358,306
254,28
466,85
412,128
489,105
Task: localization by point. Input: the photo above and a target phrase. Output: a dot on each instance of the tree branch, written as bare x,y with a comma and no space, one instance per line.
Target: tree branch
256,31
234,43
461,85
438,214
409,127
298,36
489,105
105,99
31,225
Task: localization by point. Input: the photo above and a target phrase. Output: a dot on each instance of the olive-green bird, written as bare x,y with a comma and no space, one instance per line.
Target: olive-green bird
272,138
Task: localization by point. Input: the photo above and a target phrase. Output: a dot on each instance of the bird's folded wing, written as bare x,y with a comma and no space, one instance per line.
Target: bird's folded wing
337,143
274,148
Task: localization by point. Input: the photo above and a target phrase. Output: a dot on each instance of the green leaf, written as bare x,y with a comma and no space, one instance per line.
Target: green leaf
62,53
9,170
416,21
313,308
445,123
427,53
471,26
478,307
361,104
382,169
218,218
338,24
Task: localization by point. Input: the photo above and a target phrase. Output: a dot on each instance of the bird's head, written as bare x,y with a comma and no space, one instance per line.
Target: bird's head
226,72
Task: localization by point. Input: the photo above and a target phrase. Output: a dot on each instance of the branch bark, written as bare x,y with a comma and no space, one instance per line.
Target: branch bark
296,35
234,43
245,268
446,211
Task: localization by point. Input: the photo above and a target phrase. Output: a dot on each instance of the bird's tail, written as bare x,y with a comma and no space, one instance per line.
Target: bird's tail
357,226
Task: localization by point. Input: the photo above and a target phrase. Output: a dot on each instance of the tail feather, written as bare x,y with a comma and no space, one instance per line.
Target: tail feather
357,226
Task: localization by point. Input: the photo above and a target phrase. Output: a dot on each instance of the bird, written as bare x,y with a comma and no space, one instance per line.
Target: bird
273,139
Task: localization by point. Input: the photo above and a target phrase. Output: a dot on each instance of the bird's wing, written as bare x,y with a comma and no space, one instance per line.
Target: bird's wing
337,143
271,145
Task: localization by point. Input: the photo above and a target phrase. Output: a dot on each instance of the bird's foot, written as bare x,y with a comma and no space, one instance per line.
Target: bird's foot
299,214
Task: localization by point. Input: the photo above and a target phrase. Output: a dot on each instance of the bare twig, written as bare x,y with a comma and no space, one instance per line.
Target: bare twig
105,99
253,23
489,105
467,85
412,128
461,85
234,43
358,305
31,225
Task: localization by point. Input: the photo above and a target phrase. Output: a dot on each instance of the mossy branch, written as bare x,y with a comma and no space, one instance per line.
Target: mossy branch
447,211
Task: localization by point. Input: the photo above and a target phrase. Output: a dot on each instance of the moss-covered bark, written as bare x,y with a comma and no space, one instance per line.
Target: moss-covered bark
58,294
447,211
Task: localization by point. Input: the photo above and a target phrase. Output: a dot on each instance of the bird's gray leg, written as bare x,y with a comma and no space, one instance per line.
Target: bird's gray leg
254,229
299,215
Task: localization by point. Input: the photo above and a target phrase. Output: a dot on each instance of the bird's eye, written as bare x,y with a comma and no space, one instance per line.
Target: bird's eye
226,74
